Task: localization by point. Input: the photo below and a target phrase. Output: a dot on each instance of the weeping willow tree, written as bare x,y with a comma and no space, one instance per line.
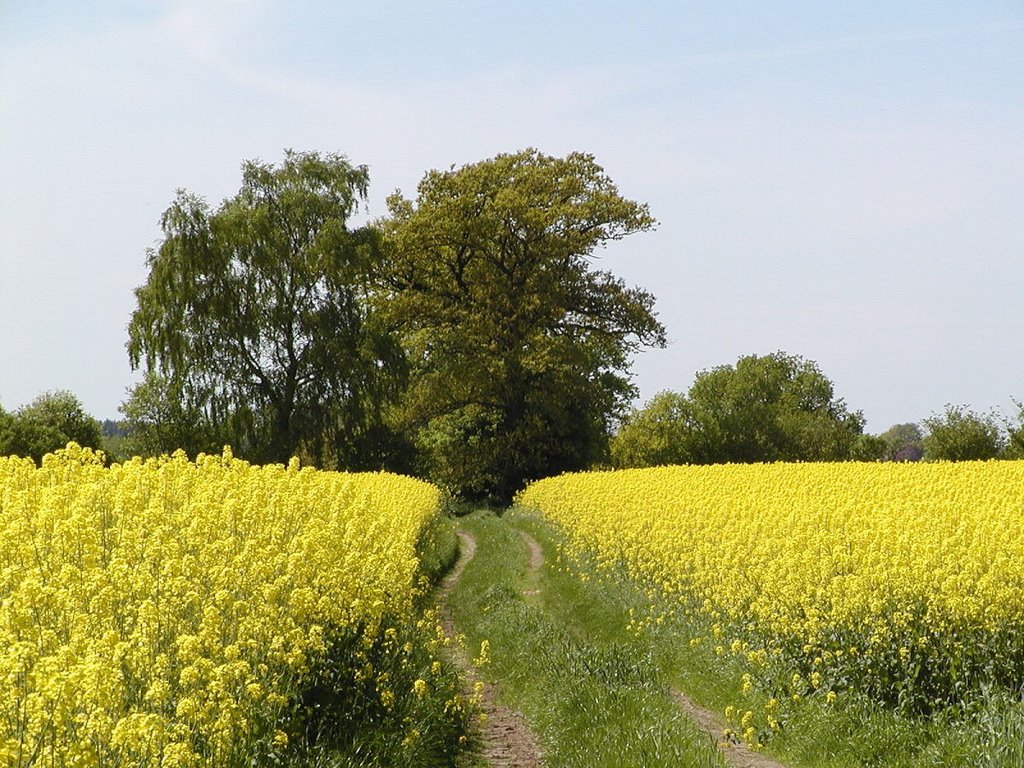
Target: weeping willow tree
255,316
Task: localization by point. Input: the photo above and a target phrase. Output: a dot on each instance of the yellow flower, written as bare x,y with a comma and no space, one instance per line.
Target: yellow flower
208,584
485,654
806,552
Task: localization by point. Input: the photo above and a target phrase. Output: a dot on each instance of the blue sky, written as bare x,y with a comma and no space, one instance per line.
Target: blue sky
838,180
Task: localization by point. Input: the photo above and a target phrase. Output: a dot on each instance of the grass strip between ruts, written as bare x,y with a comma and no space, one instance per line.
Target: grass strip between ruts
593,701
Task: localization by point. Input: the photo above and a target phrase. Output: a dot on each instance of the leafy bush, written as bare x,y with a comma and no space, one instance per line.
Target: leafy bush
960,434
47,424
776,407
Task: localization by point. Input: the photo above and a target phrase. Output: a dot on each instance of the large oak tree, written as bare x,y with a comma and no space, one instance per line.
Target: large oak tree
519,348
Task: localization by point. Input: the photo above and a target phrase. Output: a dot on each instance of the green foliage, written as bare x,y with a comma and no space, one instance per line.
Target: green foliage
960,434
160,417
339,720
6,432
255,315
561,653
1015,434
47,424
659,434
519,349
776,407
869,448
903,442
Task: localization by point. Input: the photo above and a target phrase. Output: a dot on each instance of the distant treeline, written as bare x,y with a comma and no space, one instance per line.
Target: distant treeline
775,407
780,407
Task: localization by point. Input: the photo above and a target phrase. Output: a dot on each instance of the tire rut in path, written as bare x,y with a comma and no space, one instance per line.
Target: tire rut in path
737,755
535,561
507,740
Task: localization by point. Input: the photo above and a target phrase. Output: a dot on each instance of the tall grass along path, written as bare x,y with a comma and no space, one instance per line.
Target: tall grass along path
502,736
737,754
507,740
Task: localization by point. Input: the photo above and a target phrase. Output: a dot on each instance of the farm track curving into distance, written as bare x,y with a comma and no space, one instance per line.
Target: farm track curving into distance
507,740
506,737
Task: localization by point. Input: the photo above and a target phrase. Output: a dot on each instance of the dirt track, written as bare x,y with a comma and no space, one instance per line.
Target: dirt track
738,755
507,741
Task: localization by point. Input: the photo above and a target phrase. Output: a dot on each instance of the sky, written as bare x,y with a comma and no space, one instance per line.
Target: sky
841,181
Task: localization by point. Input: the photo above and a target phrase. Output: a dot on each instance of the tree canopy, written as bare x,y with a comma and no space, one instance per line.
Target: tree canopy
960,434
663,432
519,349
776,407
1015,434
903,442
255,316
158,418
47,424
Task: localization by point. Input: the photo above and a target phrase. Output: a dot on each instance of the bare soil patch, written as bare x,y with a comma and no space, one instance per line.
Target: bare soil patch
536,553
737,754
536,559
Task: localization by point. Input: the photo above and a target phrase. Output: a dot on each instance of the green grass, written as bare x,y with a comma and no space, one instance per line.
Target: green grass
591,693
593,609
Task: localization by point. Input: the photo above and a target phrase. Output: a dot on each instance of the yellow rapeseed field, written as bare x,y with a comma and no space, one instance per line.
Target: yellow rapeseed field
166,612
905,581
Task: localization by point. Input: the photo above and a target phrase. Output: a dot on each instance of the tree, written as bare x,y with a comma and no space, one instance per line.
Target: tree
960,434
160,418
256,314
519,349
1015,434
869,448
660,433
48,423
903,442
6,431
774,407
